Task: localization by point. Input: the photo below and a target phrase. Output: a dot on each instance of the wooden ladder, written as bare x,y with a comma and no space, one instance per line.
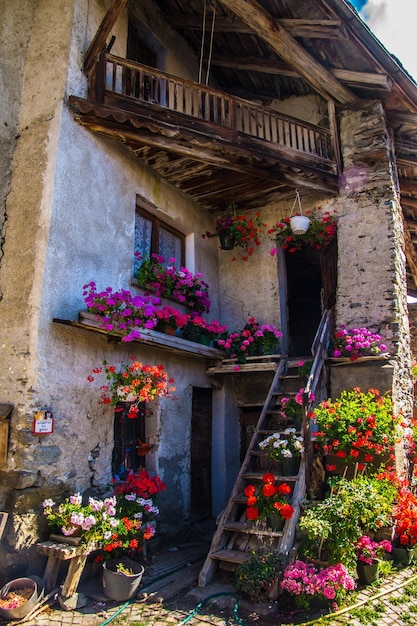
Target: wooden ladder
236,538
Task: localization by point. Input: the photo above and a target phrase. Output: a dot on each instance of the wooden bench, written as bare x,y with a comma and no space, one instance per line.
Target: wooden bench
57,551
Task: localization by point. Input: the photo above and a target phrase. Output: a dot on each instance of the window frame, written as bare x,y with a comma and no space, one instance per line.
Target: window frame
157,226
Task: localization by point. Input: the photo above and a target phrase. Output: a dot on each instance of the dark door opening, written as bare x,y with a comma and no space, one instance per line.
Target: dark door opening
311,288
129,438
201,447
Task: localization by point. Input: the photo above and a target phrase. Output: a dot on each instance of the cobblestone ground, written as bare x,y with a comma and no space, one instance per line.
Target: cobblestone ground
391,603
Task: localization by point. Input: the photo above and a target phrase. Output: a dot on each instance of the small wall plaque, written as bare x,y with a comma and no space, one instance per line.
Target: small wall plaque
43,423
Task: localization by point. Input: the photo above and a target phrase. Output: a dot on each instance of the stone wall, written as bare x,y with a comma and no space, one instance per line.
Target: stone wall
371,278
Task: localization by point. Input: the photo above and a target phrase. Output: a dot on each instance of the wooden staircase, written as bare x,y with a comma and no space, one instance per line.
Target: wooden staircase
237,538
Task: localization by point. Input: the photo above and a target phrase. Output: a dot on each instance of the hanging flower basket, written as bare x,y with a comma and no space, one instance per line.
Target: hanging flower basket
299,224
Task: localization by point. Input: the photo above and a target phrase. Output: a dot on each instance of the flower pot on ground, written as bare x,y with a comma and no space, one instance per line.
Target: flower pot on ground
18,598
258,577
121,578
308,583
367,572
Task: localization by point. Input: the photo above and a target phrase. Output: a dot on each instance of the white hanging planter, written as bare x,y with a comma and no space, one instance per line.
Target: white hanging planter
299,224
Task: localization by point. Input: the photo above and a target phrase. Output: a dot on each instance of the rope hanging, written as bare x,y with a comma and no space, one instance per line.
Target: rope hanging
211,42
297,198
203,36
200,71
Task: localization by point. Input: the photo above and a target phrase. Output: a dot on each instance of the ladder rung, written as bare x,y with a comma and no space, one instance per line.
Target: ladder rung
231,556
249,529
258,476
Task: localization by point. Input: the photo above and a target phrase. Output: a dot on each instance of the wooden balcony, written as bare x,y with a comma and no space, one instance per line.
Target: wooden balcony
191,134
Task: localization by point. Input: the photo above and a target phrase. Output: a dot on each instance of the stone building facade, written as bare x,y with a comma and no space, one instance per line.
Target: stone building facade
68,218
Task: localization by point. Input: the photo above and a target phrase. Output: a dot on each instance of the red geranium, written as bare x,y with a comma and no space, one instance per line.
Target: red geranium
268,498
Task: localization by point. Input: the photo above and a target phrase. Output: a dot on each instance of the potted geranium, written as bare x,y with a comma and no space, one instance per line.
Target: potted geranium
238,230
353,343
137,382
405,515
268,503
322,229
252,339
368,553
162,278
286,448
357,427
309,584
120,311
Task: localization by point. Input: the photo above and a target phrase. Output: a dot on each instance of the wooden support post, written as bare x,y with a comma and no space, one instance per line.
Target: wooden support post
51,572
75,570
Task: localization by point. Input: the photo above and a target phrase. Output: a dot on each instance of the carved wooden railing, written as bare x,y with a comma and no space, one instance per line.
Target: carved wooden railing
122,82
316,388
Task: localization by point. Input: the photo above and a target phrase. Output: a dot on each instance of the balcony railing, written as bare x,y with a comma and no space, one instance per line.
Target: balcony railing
125,83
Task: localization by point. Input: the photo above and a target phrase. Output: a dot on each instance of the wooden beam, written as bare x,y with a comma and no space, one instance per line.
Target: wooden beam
407,184
265,27
402,117
313,29
410,252
409,202
268,66
104,30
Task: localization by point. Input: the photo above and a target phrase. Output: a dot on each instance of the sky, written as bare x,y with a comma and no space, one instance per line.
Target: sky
393,22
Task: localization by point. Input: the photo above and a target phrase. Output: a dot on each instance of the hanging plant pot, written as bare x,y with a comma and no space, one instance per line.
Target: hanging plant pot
299,224
226,242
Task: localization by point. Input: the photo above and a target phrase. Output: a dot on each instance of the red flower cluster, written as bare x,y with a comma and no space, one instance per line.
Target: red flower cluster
405,514
142,484
270,498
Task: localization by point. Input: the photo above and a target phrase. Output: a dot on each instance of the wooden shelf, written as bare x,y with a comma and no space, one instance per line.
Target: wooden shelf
161,341
268,362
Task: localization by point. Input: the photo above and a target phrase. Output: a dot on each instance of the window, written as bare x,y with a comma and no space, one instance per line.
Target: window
152,236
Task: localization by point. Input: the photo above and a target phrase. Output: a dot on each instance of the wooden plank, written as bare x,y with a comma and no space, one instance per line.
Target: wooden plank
264,26
147,337
3,520
311,28
5,410
232,556
104,30
4,441
72,579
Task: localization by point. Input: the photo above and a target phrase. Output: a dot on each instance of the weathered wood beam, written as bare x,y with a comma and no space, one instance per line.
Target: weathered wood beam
410,252
313,29
409,202
408,185
135,139
268,66
102,34
402,117
280,40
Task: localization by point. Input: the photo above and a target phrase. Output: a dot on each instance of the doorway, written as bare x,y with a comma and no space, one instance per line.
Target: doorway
311,289
201,449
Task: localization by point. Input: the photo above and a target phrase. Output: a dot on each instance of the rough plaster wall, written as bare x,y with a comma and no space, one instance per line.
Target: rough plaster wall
71,220
15,28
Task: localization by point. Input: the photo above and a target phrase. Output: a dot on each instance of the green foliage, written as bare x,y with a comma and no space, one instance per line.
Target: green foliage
336,523
255,576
